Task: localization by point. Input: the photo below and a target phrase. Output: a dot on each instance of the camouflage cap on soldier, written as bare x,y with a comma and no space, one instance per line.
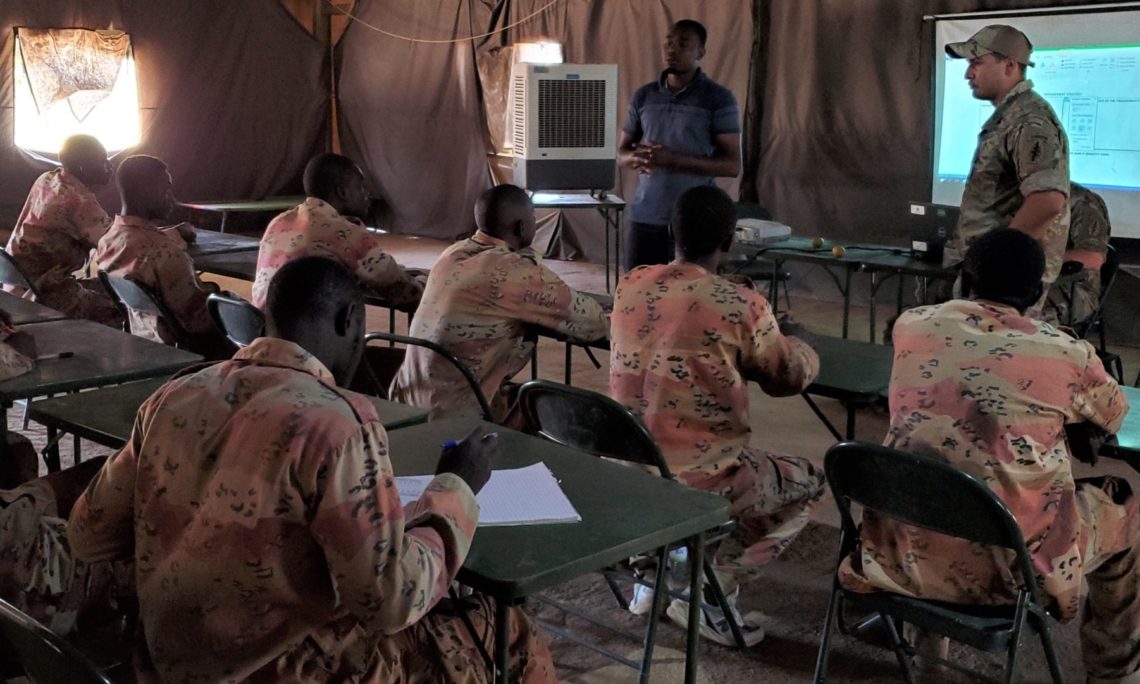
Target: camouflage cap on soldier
997,39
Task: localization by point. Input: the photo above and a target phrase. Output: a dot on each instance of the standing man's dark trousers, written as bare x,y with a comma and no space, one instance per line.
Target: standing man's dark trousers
647,243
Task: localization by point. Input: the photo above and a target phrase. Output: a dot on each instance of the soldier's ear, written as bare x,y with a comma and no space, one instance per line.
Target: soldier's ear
343,319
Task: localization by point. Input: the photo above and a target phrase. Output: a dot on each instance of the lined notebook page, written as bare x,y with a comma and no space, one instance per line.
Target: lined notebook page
522,496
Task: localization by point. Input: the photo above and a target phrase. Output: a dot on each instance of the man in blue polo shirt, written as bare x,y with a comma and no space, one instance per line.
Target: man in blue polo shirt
683,130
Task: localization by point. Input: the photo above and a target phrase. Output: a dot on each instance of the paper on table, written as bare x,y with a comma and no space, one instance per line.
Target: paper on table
521,496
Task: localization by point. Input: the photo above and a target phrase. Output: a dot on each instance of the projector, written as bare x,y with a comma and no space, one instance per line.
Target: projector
758,231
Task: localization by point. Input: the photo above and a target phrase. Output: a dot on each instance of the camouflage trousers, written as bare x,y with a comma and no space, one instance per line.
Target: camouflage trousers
84,298
1071,303
1110,561
771,497
439,649
37,572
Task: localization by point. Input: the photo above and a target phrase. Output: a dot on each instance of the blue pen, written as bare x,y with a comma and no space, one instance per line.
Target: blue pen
449,444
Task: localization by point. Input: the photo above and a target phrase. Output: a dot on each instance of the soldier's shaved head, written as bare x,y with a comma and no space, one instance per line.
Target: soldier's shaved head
316,303
506,212
84,157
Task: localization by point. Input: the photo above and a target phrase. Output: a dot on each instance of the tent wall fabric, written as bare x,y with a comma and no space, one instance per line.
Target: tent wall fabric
845,127
420,129
233,95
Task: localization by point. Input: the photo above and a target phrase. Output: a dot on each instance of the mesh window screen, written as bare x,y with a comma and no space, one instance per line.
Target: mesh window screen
572,113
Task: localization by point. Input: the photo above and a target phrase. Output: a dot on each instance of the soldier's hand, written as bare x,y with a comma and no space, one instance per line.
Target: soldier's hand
6,325
470,459
790,327
739,279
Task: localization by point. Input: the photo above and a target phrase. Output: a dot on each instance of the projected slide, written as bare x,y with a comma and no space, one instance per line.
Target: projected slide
1095,92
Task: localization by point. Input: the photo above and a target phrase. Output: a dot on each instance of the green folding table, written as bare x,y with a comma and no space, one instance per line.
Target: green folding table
24,311
106,415
90,355
227,207
1126,446
623,513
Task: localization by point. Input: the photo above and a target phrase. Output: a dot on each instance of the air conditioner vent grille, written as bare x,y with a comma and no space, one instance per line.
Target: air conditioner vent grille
518,117
571,113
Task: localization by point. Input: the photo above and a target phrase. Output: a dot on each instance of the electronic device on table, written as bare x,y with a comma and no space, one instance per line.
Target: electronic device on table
930,227
750,231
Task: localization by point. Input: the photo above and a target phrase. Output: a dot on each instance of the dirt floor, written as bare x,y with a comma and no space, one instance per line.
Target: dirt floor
792,592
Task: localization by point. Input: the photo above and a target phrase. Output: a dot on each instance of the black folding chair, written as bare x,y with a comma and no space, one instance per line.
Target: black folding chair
130,295
43,657
240,321
594,423
933,495
382,377
12,274
1094,324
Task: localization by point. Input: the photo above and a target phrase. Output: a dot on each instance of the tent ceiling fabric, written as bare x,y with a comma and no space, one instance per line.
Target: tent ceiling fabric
232,94
235,97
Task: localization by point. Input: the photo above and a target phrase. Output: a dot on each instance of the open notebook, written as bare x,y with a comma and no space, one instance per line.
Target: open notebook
522,496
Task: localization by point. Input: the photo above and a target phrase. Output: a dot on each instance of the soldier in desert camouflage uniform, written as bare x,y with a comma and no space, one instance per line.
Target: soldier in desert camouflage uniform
482,296
1089,231
685,344
978,384
257,500
1020,174
60,224
328,223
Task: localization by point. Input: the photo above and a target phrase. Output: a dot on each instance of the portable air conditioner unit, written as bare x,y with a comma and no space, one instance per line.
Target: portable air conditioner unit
563,132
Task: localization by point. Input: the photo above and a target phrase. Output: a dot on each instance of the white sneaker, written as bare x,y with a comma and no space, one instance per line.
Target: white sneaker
714,626
642,603
675,578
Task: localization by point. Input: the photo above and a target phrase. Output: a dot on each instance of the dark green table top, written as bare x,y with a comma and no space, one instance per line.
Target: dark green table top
106,415
624,511
27,311
851,370
213,242
243,266
857,256
240,265
267,204
848,370
101,356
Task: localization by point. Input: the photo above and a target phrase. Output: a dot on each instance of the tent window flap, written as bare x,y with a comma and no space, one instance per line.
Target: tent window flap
70,81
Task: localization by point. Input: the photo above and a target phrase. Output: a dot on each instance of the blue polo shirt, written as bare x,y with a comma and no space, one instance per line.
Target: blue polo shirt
686,121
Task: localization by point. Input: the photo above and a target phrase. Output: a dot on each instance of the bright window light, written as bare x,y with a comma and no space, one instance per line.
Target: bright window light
111,116
541,52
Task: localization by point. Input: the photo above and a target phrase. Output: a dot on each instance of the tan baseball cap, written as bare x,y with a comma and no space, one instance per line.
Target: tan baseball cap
999,39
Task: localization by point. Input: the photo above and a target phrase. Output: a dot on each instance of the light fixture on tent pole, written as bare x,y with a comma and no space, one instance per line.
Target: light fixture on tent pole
539,52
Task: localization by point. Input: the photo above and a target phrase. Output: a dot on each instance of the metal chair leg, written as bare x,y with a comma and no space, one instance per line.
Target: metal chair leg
651,629
619,596
825,638
1015,638
1050,651
898,647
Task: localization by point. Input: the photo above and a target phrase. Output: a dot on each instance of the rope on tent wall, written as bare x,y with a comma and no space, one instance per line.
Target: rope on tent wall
411,39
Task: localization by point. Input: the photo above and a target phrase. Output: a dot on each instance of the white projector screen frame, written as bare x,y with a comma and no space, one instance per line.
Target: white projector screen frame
1072,46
